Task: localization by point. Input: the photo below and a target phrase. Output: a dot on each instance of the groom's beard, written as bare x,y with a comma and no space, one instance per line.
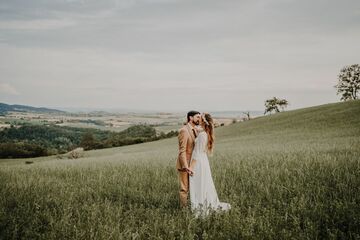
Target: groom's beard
196,123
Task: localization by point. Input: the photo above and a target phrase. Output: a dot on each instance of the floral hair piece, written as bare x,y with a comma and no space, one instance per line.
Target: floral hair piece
203,117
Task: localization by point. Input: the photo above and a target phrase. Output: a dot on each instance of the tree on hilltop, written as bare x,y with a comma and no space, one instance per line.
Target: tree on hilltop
349,82
283,103
273,104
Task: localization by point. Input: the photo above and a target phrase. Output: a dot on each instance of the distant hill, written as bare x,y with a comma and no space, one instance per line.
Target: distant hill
4,108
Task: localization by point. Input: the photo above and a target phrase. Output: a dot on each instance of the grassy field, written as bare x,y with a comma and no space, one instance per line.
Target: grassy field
292,175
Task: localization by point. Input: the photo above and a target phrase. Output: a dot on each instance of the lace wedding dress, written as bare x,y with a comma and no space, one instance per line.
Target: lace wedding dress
203,195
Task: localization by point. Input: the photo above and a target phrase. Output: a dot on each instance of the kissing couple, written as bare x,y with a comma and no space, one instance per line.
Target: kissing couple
196,141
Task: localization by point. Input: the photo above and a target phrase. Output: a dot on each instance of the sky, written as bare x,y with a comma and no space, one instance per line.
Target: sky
175,55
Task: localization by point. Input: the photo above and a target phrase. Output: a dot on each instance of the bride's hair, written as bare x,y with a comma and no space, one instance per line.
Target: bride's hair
209,129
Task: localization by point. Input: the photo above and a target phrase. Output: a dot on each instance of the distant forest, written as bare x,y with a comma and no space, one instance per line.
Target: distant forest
40,140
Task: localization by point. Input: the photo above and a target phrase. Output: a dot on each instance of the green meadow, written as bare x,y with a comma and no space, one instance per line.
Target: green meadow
290,175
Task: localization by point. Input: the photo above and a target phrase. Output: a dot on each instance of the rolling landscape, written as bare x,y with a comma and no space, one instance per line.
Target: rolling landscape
27,131
115,121
94,96
289,175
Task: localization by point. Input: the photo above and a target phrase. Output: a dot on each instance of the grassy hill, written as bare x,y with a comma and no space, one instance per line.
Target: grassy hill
291,175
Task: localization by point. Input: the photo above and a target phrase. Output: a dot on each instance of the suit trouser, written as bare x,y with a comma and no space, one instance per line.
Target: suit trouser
184,188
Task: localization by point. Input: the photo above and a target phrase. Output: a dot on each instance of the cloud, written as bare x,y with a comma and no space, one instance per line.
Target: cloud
39,24
148,53
6,88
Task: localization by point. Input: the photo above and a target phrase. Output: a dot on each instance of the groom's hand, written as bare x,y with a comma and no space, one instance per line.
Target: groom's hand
189,171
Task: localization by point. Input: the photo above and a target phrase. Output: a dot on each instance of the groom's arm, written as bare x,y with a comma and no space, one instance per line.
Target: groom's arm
182,148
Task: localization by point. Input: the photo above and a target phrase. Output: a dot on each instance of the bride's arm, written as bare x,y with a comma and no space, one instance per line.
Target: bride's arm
192,164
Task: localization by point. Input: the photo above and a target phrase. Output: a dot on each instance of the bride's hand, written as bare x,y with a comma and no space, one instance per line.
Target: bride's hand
190,171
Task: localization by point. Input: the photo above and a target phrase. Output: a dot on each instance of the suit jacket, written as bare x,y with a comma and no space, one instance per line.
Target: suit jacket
186,139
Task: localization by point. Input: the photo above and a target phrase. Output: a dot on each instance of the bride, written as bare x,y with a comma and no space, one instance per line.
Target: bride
203,195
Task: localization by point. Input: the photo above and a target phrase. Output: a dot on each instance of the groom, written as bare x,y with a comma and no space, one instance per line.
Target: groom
186,137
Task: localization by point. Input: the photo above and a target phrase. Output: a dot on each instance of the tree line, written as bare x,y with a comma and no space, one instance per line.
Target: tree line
39,140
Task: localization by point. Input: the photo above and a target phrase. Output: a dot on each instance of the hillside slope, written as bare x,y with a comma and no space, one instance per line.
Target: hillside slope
314,127
292,175
328,117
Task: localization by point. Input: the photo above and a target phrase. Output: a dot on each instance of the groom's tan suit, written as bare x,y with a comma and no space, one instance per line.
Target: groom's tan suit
186,137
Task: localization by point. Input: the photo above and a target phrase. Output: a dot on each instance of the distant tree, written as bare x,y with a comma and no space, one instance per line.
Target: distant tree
283,103
144,131
271,105
247,114
349,82
63,143
88,141
172,134
274,103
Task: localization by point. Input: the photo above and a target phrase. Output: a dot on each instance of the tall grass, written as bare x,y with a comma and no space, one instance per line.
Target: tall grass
293,175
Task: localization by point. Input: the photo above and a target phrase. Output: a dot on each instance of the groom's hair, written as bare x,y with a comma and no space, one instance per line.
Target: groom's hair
191,114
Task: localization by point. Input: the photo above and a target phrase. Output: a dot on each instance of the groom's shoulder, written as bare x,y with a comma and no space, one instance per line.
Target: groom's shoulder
183,129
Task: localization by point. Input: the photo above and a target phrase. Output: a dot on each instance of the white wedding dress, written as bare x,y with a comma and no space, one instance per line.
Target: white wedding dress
203,195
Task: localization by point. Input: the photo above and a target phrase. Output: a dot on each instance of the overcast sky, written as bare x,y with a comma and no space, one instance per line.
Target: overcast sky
175,54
